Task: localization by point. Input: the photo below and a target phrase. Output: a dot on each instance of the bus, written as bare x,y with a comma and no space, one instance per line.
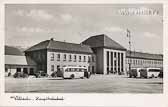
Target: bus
73,72
150,72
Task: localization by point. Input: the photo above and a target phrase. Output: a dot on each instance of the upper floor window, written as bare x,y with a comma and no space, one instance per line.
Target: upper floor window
74,58
93,59
64,57
52,56
58,57
89,59
80,58
84,58
70,57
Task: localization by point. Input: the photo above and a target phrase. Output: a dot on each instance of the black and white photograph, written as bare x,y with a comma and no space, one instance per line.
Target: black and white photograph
83,48
84,53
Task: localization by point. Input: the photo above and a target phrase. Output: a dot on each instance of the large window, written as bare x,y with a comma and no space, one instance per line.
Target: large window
111,61
122,62
107,58
107,61
119,62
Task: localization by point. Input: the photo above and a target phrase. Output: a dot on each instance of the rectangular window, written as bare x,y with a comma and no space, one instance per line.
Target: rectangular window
80,58
31,71
122,62
88,58
74,58
18,69
111,61
58,67
119,62
52,67
25,70
52,56
115,54
70,58
93,59
64,57
107,58
84,58
58,57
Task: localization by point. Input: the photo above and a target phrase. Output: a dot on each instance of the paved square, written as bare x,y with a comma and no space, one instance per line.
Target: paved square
96,84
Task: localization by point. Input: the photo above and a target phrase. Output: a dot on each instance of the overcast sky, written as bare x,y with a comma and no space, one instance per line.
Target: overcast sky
26,25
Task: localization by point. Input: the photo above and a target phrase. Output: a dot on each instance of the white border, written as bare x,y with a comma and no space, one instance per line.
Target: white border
121,100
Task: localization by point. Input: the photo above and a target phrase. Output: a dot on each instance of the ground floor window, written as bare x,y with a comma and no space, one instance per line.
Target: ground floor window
18,69
31,71
52,67
6,69
25,70
58,67
93,69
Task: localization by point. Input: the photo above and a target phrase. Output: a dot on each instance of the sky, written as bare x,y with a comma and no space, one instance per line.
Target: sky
29,24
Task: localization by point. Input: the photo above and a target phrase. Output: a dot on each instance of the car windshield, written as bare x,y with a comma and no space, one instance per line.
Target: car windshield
154,70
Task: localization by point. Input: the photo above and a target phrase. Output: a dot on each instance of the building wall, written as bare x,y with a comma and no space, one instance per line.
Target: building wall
40,57
114,63
13,68
141,62
56,60
99,60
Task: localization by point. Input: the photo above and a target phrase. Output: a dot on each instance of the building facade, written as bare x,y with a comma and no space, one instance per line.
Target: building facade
99,54
143,60
15,61
51,55
110,55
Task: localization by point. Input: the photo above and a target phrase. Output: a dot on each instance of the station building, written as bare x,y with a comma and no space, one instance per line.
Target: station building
110,55
99,54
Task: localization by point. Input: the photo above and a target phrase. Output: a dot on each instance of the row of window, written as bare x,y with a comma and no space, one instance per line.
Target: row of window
80,59
90,68
140,61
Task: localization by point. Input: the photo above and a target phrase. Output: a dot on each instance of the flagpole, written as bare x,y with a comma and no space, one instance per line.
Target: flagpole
129,36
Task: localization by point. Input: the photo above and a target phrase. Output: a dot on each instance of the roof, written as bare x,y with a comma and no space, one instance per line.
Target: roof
18,60
9,50
60,46
103,41
142,55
